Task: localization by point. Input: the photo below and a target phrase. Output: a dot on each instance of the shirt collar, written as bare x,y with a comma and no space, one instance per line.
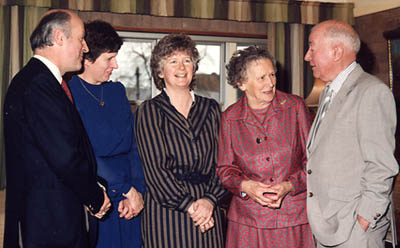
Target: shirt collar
337,83
242,108
52,67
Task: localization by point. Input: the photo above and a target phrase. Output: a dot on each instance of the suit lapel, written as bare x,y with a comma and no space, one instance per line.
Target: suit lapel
321,97
335,107
200,113
42,68
169,112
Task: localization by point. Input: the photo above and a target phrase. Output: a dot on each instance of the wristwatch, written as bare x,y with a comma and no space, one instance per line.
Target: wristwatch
243,195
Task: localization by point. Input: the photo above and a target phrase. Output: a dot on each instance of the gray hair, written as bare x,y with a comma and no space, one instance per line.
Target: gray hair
237,67
43,34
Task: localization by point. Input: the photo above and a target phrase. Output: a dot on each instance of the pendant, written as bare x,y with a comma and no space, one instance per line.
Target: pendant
102,104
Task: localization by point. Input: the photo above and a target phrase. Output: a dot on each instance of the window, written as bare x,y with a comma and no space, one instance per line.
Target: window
208,76
134,64
134,68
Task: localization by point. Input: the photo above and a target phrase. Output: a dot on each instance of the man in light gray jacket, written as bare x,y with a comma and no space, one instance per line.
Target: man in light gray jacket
351,166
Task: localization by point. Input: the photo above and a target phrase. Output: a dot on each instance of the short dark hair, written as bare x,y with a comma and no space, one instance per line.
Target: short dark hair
237,66
100,38
42,35
164,48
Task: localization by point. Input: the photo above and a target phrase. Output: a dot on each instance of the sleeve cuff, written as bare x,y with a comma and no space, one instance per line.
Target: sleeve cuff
115,191
102,186
96,202
211,198
371,212
185,203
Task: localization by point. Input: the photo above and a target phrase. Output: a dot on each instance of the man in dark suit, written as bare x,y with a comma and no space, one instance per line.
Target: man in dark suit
51,170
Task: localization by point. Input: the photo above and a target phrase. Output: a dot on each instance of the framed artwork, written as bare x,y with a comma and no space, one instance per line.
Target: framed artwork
393,45
393,41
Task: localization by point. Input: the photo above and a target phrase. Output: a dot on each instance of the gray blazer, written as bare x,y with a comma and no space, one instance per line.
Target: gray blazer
351,166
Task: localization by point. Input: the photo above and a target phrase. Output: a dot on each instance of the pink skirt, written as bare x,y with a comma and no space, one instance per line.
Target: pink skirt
242,236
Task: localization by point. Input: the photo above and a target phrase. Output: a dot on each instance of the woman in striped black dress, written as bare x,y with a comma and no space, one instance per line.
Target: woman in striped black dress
177,137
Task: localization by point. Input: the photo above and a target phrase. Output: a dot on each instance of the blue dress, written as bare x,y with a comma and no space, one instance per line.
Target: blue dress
111,133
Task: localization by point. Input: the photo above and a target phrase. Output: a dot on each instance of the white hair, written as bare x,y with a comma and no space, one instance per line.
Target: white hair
340,31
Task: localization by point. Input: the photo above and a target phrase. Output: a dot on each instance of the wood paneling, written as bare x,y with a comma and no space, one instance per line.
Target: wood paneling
371,28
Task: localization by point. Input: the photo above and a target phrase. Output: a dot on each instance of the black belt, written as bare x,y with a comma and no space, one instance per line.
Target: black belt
194,178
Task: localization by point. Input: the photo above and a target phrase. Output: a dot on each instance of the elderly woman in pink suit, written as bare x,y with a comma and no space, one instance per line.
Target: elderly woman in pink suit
262,157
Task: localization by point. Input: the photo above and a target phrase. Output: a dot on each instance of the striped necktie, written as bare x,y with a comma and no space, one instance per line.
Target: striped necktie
321,113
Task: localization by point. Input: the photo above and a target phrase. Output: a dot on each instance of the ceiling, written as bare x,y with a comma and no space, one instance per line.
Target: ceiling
365,7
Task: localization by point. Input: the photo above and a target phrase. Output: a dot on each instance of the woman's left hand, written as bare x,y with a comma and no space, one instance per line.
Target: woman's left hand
279,190
134,201
201,211
124,209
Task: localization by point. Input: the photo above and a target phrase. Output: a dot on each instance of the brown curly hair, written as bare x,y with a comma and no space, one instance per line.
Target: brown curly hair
164,48
237,67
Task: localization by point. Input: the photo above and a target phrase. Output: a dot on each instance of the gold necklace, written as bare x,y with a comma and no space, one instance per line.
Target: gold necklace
101,102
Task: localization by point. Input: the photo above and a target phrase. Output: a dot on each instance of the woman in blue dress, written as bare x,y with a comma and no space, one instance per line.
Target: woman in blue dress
107,117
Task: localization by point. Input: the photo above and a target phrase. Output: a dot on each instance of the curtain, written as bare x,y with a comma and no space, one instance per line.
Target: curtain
4,77
308,77
18,23
297,59
285,11
286,43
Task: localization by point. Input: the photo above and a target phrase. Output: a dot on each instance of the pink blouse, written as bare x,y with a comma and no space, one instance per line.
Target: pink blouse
269,152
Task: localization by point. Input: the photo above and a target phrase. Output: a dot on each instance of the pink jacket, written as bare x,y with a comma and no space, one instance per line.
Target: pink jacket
269,152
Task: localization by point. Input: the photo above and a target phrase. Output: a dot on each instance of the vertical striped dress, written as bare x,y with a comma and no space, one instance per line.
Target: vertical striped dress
179,158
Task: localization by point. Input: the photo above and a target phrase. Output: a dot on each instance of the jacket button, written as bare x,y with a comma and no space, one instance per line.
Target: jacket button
375,218
309,171
258,140
378,215
268,159
271,179
310,194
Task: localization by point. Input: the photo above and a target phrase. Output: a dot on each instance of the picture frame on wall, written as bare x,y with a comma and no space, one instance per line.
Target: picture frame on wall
393,46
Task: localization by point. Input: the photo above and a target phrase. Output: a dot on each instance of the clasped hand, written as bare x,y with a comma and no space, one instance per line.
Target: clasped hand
132,205
266,194
103,209
201,213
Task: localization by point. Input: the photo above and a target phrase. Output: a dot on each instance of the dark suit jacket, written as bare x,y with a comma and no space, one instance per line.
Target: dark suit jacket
51,170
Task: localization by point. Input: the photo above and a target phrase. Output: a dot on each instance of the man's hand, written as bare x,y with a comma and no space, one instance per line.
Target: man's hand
104,208
363,222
